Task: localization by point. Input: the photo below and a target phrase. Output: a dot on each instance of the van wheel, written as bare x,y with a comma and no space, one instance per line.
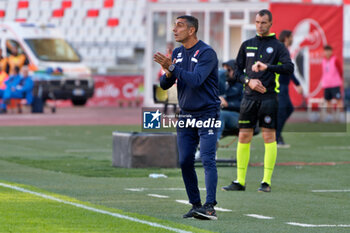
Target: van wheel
79,102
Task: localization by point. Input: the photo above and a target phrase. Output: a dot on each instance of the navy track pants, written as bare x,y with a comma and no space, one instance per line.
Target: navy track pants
188,140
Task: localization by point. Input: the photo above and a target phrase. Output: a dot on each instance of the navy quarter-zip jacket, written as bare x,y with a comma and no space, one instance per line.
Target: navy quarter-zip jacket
267,50
196,72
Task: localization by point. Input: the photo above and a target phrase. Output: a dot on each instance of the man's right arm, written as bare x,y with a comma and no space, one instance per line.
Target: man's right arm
167,82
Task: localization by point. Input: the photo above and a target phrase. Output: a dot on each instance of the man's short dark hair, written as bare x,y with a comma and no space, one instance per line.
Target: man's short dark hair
191,21
266,12
284,34
327,47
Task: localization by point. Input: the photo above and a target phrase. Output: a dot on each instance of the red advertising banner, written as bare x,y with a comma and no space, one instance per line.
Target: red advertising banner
313,26
117,90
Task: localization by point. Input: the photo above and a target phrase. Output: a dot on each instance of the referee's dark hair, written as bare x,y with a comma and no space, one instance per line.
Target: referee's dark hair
266,12
191,21
284,34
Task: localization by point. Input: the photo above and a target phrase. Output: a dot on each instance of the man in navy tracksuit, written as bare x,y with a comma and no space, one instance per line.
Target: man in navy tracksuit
194,66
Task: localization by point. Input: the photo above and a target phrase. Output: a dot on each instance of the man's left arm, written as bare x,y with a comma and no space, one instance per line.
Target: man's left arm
295,80
285,65
205,65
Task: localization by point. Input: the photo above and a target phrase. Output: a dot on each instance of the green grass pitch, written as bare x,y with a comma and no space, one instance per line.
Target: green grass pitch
74,163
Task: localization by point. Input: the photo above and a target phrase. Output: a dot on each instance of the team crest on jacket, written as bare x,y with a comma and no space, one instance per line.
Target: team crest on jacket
196,53
269,50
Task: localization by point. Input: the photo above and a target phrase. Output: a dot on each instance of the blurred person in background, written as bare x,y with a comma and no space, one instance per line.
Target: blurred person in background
230,98
332,82
194,68
3,78
285,106
18,86
223,74
10,84
16,59
3,62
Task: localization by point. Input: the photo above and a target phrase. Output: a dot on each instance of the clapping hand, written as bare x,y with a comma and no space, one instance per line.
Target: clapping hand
162,60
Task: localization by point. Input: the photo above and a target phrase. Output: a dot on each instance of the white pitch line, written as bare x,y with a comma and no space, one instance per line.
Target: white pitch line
259,216
157,195
136,189
216,208
93,209
222,209
330,191
176,189
313,225
183,202
172,189
159,189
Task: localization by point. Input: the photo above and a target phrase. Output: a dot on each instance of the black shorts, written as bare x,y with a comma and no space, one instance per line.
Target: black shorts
264,111
332,93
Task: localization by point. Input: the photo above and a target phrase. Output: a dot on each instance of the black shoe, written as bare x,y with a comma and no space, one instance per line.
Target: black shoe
281,143
190,213
264,187
234,186
206,212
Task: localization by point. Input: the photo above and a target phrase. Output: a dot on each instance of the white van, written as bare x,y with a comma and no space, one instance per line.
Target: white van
46,49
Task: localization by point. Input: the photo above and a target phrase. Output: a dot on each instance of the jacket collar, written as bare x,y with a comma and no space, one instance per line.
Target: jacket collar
270,36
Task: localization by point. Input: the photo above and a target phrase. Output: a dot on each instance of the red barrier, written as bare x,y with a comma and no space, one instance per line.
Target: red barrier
117,91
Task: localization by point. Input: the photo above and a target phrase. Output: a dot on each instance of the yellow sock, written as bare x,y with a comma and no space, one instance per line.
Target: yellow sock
243,154
269,161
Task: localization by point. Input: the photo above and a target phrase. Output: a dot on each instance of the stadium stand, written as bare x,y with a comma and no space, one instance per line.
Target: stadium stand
96,28
106,33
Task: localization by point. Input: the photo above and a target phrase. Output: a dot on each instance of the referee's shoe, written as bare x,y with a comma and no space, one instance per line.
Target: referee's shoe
264,187
234,186
206,212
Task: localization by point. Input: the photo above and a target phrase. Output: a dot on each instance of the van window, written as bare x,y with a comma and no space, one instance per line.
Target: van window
56,50
11,46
